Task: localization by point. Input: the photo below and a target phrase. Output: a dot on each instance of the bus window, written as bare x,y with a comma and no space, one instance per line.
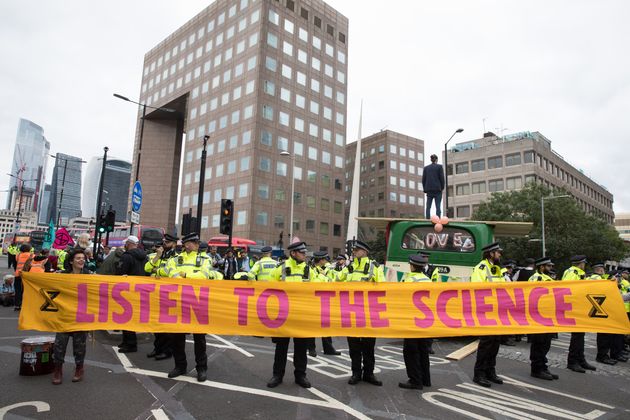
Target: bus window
450,239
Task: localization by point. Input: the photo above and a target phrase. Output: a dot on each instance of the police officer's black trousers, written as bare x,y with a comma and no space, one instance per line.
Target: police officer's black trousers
327,344
129,339
487,355
609,343
362,350
540,345
416,355
576,349
300,347
162,343
19,291
179,350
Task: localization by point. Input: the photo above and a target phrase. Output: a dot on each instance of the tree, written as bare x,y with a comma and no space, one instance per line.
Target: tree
568,230
378,248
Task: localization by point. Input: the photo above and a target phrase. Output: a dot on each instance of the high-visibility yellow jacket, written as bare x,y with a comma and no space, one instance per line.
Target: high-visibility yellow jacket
262,269
415,277
573,273
191,265
363,269
486,272
292,271
540,277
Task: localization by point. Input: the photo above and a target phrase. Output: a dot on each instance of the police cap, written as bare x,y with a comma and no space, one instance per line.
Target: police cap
418,259
170,238
297,246
341,257
492,247
597,265
320,255
266,249
203,245
576,259
193,236
361,245
529,261
510,263
543,261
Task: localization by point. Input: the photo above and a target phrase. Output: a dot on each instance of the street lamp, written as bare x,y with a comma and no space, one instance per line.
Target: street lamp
459,130
292,156
542,218
202,177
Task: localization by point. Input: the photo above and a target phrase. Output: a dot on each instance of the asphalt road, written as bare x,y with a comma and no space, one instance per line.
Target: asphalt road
134,387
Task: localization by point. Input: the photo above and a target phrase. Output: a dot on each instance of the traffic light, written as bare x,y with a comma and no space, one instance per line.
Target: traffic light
110,220
100,225
227,216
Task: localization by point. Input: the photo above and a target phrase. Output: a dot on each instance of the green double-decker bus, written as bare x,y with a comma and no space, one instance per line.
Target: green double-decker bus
454,251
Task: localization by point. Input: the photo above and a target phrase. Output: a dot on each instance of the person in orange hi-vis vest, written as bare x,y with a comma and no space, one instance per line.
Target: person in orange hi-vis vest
24,255
38,265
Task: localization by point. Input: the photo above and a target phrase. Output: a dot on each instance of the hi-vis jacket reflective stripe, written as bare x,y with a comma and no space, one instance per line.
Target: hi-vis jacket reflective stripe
540,277
292,271
486,272
415,277
574,273
193,265
159,268
262,269
625,288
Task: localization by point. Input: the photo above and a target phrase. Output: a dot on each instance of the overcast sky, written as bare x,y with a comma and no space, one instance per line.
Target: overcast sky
422,68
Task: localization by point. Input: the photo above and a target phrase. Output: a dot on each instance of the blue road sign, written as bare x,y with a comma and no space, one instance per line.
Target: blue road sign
136,197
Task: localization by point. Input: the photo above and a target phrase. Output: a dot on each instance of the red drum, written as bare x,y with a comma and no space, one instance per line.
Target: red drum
36,356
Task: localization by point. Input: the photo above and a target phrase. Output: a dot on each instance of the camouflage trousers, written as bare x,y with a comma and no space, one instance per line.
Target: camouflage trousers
79,340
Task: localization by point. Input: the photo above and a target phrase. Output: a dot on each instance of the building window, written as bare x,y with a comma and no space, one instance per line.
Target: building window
280,195
479,187
263,191
477,165
461,168
463,211
513,159
278,221
495,162
261,218
323,228
265,138
528,156
265,164
495,185
514,183
530,179
462,189
310,225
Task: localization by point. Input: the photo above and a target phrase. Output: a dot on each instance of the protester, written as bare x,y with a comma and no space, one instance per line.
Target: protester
229,265
76,260
433,185
21,259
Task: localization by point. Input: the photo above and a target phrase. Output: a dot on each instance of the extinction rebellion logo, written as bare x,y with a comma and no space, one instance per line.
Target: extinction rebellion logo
49,296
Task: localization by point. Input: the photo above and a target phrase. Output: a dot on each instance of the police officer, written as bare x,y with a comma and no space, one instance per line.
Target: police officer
541,343
605,341
340,264
293,269
190,264
488,270
416,350
263,268
156,267
362,268
576,360
433,273
324,274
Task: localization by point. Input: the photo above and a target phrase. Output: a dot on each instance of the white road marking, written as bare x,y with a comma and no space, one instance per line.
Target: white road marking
40,406
124,360
329,402
159,414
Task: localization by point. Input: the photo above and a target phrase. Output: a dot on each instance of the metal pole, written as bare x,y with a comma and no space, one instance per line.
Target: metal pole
445,179
100,197
542,221
292,197
202,176
63,184
17,217
144,113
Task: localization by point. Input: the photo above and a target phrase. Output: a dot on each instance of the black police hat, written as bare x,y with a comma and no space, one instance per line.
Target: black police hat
510,263
543,261
529,261
361,245
320,255
418,259
170,238
297,246
576,259
266,249
203,245
193,236
341,257
492,247
597,264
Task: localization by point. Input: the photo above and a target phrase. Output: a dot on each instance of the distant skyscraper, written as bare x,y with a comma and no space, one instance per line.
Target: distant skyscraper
29,163
43,217
65,193
115,188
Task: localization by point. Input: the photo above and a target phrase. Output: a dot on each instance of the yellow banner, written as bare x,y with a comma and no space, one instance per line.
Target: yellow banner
61,302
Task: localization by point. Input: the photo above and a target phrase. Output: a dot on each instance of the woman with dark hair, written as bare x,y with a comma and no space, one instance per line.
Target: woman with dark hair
22,258
76,260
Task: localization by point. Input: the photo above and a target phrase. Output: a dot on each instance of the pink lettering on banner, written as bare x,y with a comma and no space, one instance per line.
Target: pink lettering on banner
283,308
467,308
429,318
376,308
166,303
103,299
243,293
190,303
347,308
325,296
483,308
507,307
127,309
82,304
534,299
562,306
145,291
442,302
